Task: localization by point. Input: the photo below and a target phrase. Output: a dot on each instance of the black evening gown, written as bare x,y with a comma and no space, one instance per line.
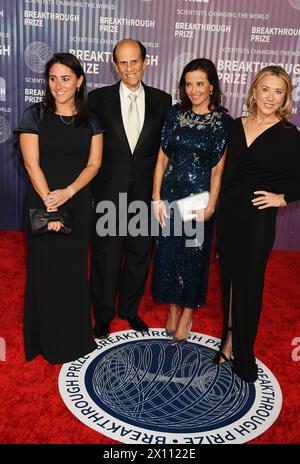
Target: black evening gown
195,144
246,234
57,320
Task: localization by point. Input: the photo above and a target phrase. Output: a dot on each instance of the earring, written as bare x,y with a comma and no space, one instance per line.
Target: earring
78,89
210,93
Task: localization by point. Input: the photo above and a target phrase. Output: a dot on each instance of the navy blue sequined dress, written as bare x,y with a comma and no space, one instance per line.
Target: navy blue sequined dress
195,144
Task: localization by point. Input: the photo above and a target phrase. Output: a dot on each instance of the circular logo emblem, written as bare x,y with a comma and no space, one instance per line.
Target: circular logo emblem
179,63
138,388
4,129
295,4
36,56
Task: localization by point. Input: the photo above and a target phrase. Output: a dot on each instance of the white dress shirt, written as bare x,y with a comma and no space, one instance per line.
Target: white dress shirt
125,102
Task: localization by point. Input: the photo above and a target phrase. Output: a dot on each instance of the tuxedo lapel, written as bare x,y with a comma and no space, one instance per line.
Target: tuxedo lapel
113,108
113,105
150,108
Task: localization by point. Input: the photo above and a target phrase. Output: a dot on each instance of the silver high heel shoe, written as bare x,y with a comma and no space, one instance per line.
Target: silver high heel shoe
170,332
180,341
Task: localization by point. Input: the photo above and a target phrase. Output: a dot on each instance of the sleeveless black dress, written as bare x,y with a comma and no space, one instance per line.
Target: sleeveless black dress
57,320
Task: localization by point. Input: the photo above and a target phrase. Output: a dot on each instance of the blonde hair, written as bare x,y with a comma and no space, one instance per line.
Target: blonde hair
285,110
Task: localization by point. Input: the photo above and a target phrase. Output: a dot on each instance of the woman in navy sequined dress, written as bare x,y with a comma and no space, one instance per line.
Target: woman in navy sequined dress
190,161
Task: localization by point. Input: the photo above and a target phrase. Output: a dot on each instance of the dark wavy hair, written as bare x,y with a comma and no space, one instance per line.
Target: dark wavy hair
81,100
141,47
208,67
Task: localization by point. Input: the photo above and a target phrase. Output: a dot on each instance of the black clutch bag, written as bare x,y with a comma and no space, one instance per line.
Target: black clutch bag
39,219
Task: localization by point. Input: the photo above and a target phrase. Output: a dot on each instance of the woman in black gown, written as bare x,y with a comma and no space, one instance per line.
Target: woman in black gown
61,143
263,156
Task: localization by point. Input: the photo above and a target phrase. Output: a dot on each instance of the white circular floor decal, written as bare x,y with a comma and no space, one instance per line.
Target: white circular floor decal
138,388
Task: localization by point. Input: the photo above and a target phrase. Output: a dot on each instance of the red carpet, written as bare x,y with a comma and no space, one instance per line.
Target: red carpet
31,410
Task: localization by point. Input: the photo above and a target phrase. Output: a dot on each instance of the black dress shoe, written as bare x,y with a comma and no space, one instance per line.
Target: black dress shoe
101,329
136,323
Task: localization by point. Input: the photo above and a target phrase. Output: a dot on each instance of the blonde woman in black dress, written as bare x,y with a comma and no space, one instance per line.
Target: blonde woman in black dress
61,143
262,173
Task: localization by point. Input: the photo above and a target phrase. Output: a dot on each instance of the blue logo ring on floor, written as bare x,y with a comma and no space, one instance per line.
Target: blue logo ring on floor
138,388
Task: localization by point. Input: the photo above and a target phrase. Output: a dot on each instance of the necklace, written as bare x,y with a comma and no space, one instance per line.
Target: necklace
65,122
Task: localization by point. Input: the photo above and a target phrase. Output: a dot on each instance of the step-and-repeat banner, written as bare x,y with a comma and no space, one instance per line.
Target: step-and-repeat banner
240,36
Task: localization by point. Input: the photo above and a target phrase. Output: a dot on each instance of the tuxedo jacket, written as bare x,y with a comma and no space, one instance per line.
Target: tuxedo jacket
121,170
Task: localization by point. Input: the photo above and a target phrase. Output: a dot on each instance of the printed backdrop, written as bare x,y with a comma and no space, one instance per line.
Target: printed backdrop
240,36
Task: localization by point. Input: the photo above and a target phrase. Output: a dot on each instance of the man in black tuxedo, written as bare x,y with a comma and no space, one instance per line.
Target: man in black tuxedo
133,114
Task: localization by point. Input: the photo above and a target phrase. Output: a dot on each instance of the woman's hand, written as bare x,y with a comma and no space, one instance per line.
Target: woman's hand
203,215
268,199
55,226
58,197
159,209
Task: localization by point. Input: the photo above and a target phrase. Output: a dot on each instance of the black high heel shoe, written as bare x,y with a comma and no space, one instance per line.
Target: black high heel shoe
220,355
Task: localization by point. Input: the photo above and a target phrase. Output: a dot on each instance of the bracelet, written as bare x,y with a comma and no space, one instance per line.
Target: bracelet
72,191
155,202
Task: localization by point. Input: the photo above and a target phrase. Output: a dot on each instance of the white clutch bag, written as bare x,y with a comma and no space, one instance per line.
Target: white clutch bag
187,204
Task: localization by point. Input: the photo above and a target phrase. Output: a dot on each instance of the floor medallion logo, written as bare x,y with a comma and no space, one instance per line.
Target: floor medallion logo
138,388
